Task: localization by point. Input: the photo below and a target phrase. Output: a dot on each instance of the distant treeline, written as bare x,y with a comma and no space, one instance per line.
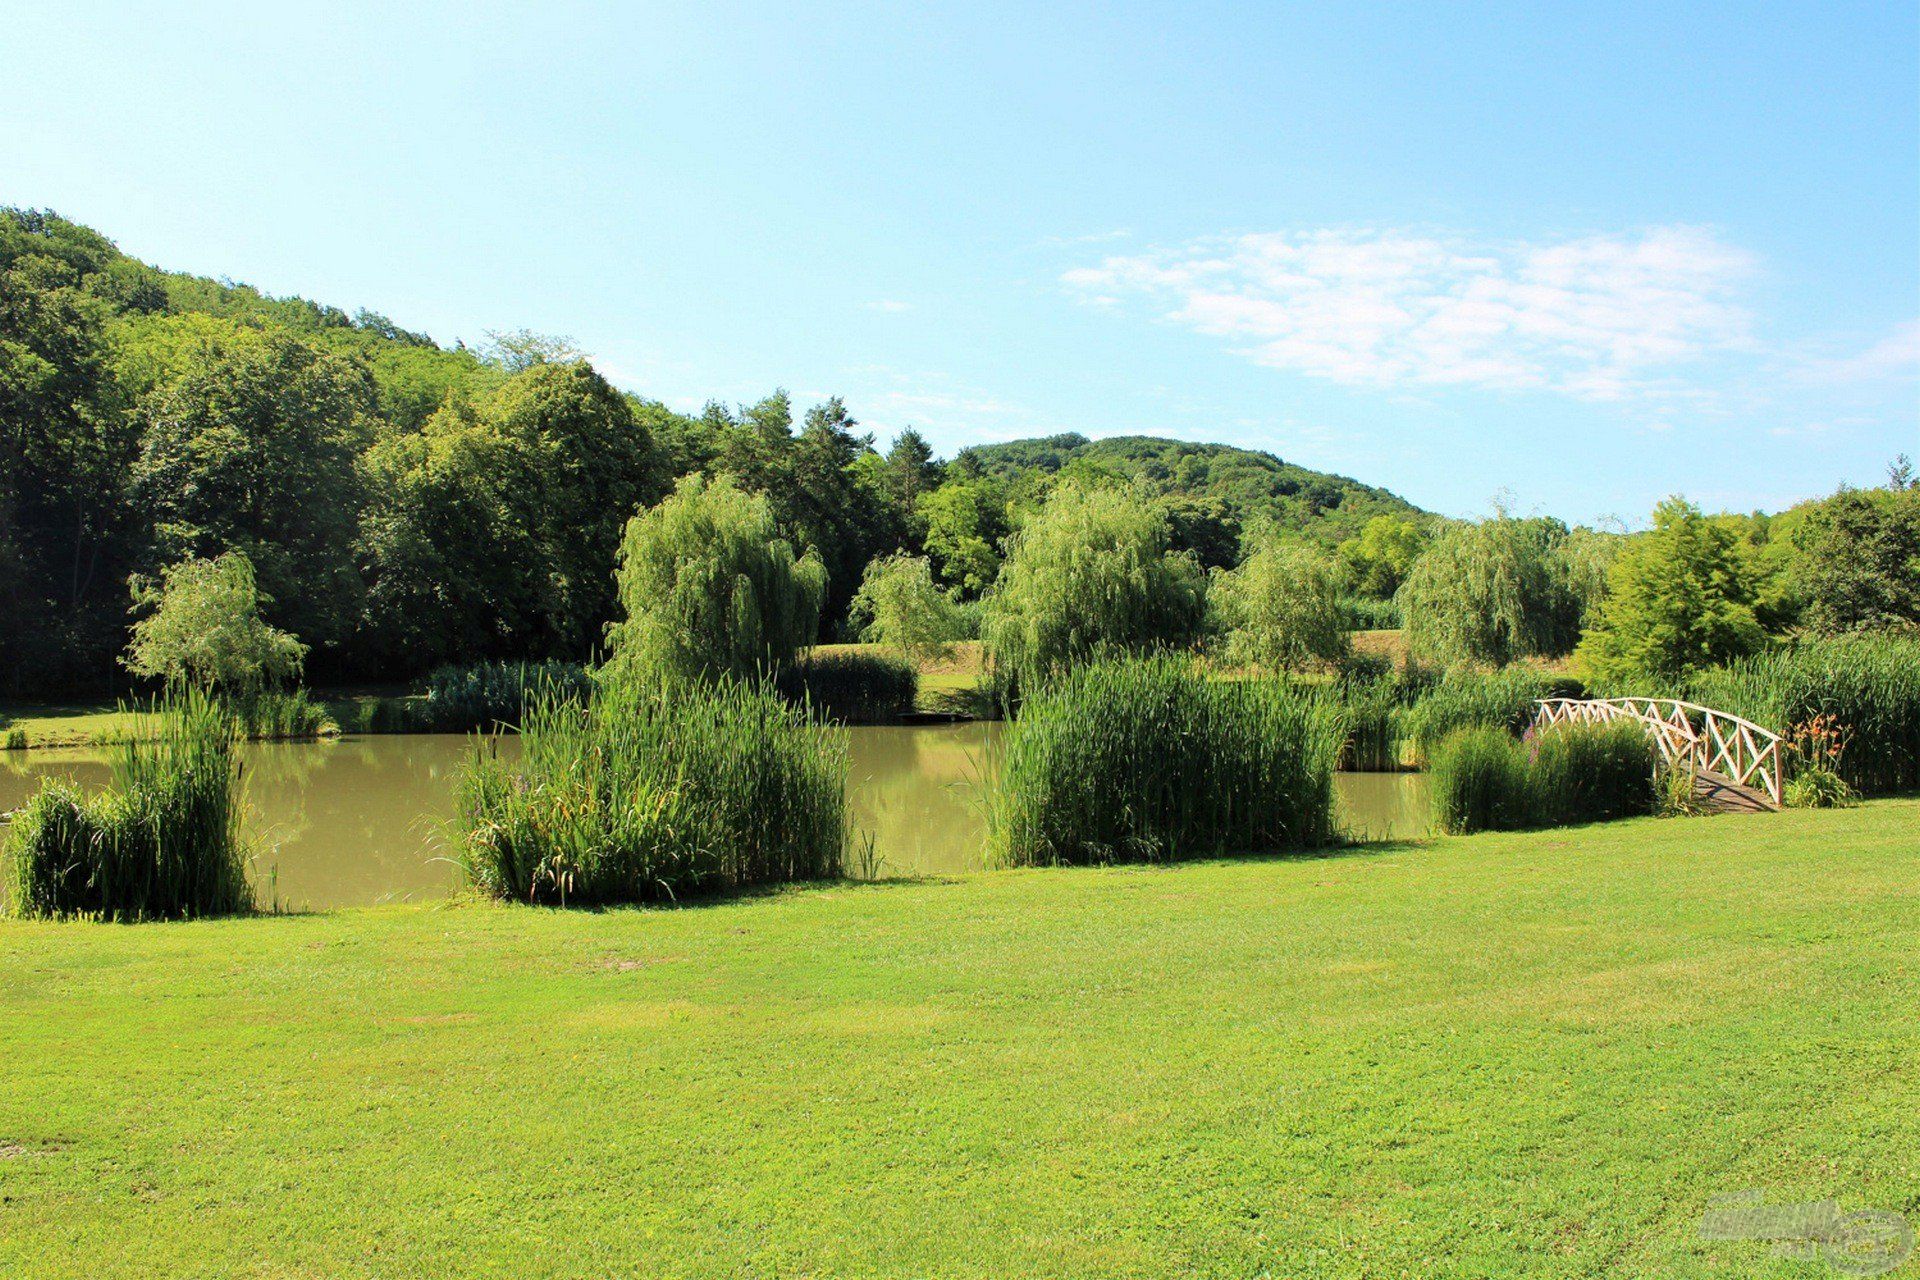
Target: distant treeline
406,505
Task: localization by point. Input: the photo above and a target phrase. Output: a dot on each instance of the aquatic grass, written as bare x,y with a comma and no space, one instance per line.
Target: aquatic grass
852,687
655,791
1467,698
282,716
1482,778
490,697
163,842
1148,760
1869,684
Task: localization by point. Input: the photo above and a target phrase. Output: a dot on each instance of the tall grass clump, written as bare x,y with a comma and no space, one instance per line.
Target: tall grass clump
655,791
282,715
1482,778
162,843
1469,698
493,695
1868,684
853,688
1145,760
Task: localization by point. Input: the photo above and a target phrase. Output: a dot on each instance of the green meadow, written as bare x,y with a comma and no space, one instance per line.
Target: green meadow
1501,1055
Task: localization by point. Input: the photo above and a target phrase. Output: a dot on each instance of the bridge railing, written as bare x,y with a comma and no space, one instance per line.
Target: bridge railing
1685,732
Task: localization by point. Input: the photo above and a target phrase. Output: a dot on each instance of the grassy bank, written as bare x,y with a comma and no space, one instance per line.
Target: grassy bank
1501,1055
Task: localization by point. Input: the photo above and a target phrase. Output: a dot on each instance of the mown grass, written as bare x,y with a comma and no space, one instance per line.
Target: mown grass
1533,1055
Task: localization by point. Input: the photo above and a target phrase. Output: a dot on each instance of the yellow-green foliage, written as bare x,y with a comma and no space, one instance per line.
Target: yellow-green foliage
711,589
1090,572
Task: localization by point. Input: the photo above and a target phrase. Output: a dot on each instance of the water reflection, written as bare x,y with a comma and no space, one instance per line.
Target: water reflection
359,820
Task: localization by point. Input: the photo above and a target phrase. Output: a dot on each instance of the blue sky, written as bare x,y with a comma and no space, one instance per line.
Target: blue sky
1587,254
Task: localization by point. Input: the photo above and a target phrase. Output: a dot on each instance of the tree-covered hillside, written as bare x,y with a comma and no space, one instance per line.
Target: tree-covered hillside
1248,485
405,504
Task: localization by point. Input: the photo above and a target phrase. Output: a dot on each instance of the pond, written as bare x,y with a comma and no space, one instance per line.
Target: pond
359,820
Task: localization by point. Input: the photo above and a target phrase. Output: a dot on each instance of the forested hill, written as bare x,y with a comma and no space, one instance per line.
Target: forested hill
1249,484
406,504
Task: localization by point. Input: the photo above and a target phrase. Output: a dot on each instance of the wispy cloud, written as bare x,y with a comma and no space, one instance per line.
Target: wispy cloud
889,305
1602,317
1897,355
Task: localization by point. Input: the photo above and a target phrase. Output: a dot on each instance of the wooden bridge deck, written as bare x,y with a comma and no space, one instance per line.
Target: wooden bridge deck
1721,794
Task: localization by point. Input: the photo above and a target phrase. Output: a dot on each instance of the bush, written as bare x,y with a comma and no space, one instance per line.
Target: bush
854,688
163,842
1364,613
1484,779
16,739
1869,684
1145,760
655,791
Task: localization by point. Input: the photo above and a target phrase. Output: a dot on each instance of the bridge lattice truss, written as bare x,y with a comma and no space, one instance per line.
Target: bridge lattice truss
1686,733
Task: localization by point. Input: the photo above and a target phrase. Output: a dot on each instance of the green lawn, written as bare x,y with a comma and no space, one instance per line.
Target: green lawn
1507,1055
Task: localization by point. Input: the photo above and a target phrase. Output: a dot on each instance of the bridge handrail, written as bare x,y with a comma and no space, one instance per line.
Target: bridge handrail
1749,752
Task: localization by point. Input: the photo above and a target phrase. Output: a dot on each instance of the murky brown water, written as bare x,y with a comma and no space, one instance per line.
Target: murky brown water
357,821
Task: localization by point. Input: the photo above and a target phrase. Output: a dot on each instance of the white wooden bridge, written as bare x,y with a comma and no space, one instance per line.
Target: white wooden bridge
1736,764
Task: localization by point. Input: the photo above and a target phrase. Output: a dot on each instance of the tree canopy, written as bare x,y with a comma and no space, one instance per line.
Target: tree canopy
204,630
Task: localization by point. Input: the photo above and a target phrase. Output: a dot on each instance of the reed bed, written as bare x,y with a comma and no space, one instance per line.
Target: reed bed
489,697
1467,698
1147,760
162,843
853,688
284,716
1485,779
1869,684
654,792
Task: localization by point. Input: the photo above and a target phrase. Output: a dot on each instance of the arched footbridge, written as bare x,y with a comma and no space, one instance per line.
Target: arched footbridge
1735,763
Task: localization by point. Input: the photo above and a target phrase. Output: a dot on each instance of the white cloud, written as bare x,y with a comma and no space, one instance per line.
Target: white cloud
889,305
1603,317
1895,356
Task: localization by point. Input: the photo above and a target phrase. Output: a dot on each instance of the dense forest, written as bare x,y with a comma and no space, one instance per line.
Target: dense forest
405,504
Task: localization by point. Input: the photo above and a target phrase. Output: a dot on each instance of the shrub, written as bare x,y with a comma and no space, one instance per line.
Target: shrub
1484,779
1869,684
494,695
16,739
655,791
1145,759
163,842
854,688
1364,613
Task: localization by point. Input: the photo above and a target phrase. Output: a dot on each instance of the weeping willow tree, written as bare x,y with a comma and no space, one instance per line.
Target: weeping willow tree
1492,591
1282,608
1089,573
899,606
711,589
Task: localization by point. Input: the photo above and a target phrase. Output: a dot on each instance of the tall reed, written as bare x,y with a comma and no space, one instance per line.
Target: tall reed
1146,760
276,714
655,791
163,842
1469,698
1484,779
1868,683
